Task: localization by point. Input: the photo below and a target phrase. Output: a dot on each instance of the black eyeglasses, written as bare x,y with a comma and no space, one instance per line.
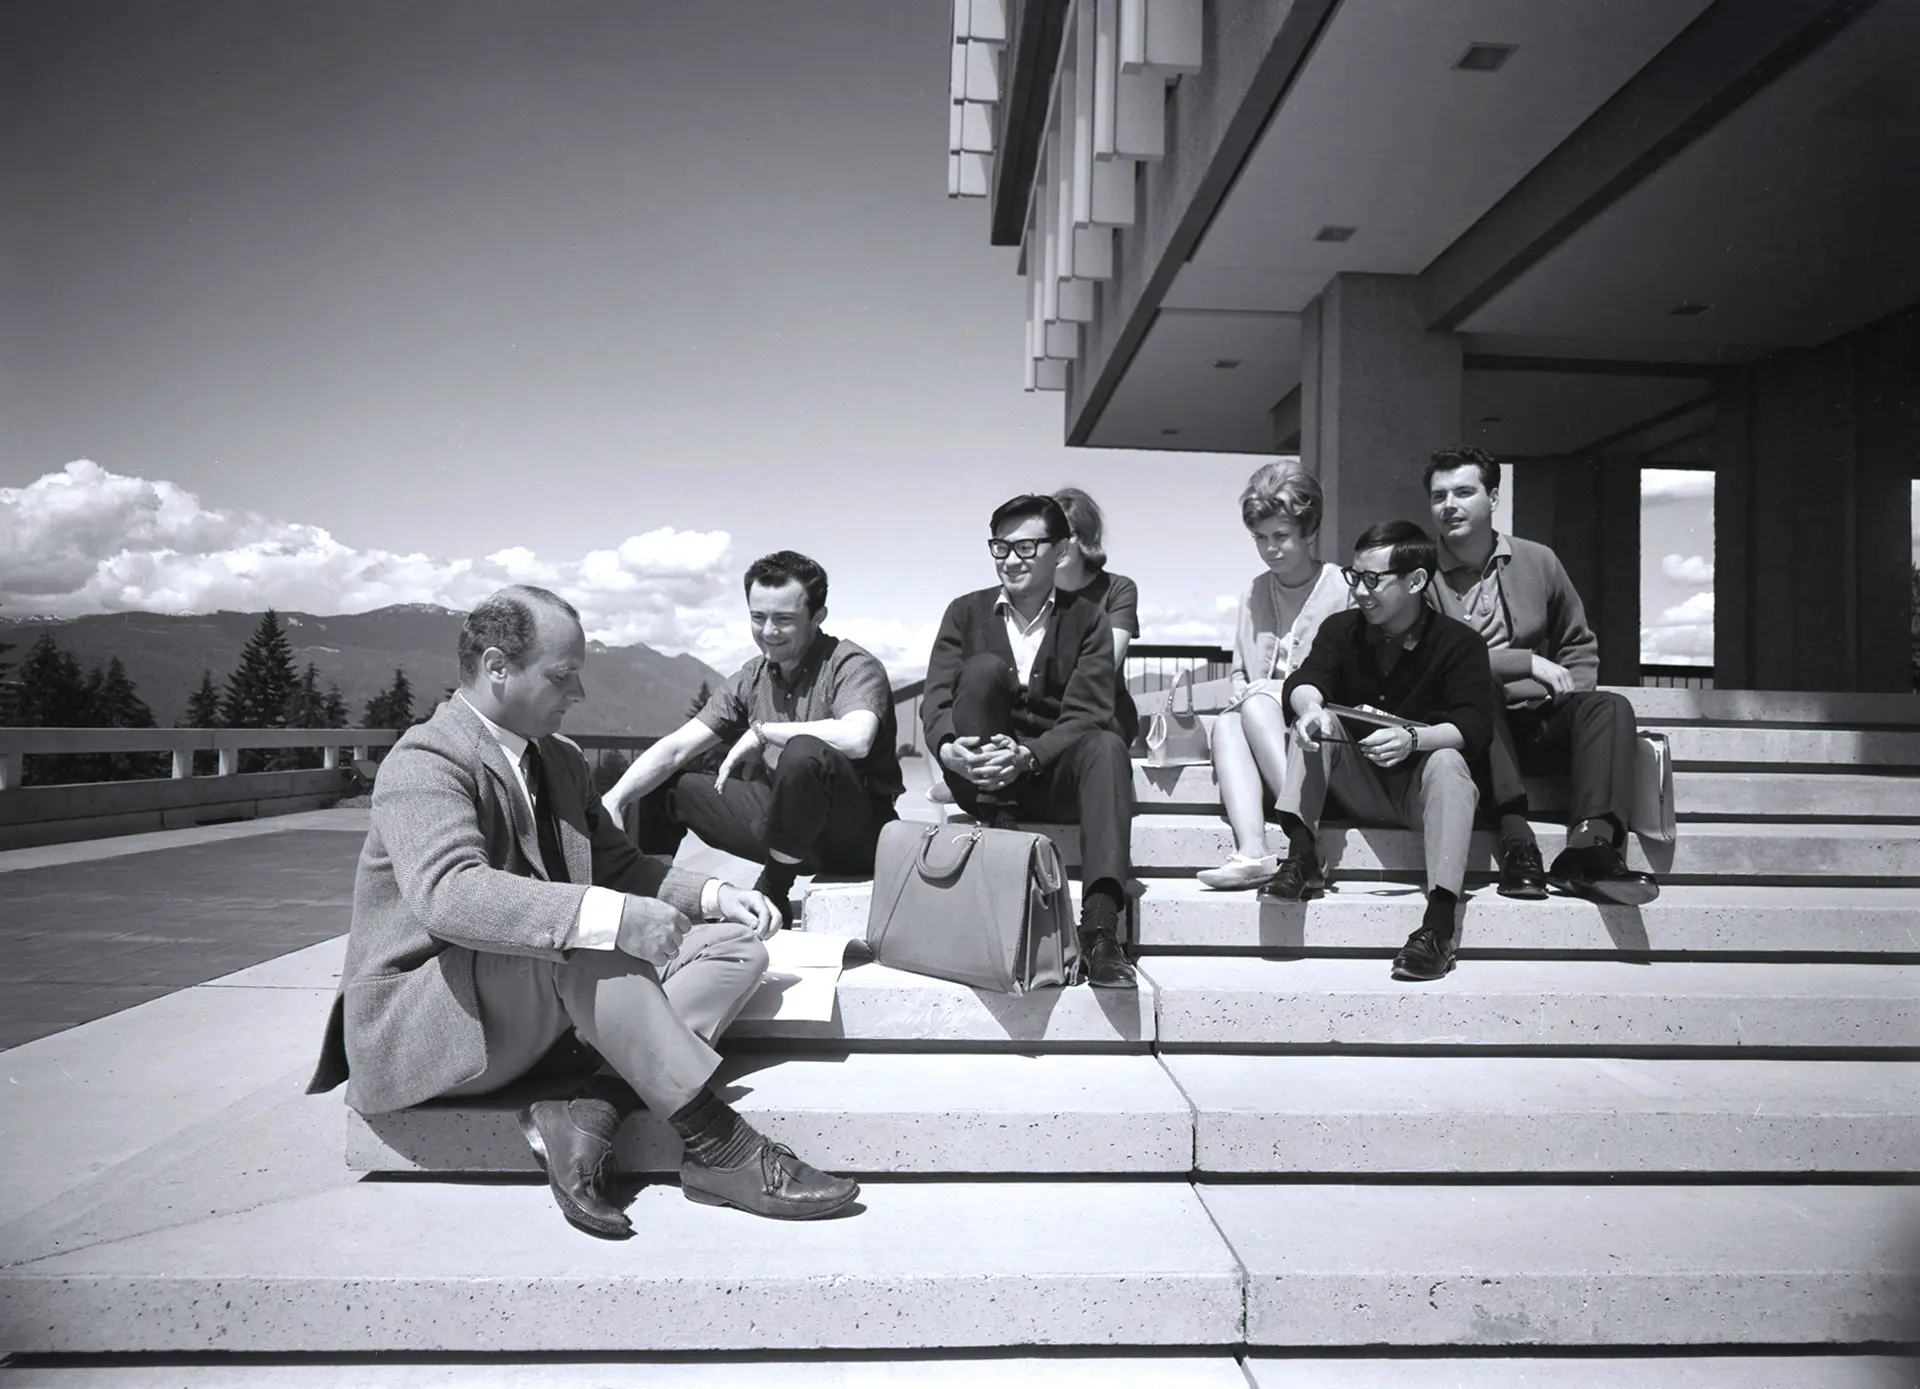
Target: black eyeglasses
1370,577
1026,549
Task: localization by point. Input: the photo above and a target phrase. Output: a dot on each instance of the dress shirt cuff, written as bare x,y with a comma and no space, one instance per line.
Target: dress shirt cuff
597,927
710,899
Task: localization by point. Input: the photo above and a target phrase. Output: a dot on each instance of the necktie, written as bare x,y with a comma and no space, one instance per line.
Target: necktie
544,824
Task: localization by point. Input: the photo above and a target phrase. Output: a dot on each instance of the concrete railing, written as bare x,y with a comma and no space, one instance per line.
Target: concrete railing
17,744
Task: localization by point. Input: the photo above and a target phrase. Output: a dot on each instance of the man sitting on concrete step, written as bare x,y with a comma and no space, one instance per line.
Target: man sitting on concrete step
1019,710
1394,654
812,766
496,910
1517,596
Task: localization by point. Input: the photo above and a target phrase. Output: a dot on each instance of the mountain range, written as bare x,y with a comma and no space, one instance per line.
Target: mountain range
630,689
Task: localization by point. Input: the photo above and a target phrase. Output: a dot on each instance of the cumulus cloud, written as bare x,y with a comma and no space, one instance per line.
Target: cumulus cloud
1197,625
1675,485
902,647
1688,569
86,540
1683,634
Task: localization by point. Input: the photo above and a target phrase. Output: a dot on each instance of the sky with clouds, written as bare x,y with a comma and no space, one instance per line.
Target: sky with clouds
333,306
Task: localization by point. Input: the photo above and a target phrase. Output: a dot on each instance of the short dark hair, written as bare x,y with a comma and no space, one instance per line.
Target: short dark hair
506,619
1283,489
784,567
1026,507
1412,547
1086,524
1462,456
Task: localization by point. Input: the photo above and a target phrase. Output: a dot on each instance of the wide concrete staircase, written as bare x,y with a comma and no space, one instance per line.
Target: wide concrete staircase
1667,1146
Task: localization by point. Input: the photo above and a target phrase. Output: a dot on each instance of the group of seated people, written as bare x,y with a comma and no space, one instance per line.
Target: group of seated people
501,908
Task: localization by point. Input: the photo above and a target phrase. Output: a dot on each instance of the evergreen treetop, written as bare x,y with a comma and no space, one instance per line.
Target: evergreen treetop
258,690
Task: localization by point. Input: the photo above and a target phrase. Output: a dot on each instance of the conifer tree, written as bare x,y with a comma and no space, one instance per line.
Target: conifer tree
53,691
306,708
203,705
257,691
9,688
700,698
333,709
392,707
115,702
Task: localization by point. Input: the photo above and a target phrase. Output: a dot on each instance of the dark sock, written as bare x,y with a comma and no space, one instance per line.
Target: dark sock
776,881
1100,908
712,1133
1514,829
1440,905
1302,843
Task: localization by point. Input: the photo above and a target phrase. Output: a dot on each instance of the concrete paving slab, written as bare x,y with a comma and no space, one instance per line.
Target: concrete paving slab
1702,917
877,1004
94,850
1327,1114
1429,1265
315,967
1589,1372
1008,1372
859,1112
491,1268
1228,1001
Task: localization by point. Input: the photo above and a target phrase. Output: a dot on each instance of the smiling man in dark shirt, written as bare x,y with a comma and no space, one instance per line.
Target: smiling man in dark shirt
1391,653
813,765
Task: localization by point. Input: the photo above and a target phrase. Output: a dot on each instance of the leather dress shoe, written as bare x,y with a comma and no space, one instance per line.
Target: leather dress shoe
770,1182
1427,955
1299,880
1599,873
1104,963
1521,875
573,1142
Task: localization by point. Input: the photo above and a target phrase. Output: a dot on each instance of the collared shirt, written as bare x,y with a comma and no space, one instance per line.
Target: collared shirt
597,925
1476,597
835,678
1025,637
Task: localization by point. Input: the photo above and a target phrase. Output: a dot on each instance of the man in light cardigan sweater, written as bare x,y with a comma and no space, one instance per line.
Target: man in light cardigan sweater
1516,594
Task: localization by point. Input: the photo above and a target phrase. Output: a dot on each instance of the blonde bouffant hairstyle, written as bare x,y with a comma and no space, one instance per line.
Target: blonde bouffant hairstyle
1283,489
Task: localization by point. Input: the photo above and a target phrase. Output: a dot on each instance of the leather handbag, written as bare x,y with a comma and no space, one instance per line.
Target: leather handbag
985,907
1177,738
1652,816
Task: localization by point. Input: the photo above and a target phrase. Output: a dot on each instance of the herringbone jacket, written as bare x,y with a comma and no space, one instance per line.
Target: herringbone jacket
450,867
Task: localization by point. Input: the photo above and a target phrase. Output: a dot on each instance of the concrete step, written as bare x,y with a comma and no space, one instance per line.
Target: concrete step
1699,794
865,1112
1536,1114
1425,1265
1589,1372
1180,912
490,1268
877,1005
1829,708
1218,1001
1877,854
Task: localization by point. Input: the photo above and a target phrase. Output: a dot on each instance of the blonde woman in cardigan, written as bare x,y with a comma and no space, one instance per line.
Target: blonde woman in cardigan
1280,613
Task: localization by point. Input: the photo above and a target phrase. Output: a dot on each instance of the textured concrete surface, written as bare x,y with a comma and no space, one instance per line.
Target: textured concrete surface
1008,1372
95,850
877,1004
1588,1372
1703,917
1326,1114
1655,706
1574,1265
423,1265
1226,1001
1748,745
861,1112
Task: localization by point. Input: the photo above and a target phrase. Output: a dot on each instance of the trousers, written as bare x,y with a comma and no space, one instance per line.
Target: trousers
655,1027
1588,737
1432,792
1090,784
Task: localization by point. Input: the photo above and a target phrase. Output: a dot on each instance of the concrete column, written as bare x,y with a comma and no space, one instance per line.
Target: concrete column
1378,393
1588,511
10,770
330,758
229,761
182,764
1815,454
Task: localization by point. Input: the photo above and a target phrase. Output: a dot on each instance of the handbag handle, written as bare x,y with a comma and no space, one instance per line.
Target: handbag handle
962,846
1182,681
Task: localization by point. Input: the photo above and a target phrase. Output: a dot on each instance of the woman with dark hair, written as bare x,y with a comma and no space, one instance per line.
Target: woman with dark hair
1083,571
1280,613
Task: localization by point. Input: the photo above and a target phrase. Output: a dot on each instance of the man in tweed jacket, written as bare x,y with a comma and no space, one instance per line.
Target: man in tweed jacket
496,908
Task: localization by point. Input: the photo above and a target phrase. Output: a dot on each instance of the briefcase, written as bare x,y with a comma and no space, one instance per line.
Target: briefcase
1653,789
979,906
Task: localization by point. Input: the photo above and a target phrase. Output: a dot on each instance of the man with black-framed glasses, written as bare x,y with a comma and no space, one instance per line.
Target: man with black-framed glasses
1429,676
1019,710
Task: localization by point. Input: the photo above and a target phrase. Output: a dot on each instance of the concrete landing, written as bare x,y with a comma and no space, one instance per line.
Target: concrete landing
1228,1001
1430,1265
1590,1372
876,1004
492,1268
1512,1114
863,1112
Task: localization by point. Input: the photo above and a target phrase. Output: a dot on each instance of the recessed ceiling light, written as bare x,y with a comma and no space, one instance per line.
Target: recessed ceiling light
1169,433
1226,364
1484,57
1688,310
1335,233
1493,419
